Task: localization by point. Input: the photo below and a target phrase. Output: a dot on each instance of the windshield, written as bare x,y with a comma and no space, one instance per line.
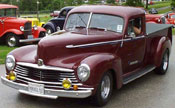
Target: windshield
8,12
172,16
98,21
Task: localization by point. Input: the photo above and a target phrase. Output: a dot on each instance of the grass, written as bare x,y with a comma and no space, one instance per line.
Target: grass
4,50
164,11
159,5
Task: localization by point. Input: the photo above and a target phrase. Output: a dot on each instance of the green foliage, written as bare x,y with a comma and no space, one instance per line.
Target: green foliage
111,1
173,3
134,3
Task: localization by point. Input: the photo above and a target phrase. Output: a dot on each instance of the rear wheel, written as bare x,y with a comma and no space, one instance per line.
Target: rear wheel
12,40
104,90
162,69
49,30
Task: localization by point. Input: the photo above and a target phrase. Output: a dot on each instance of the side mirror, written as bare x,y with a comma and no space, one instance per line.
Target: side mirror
132,35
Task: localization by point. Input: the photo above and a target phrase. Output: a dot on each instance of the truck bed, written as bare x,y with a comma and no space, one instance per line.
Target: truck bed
152,28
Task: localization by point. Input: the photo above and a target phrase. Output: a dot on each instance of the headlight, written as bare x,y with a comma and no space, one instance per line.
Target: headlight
10,62
83,72
22,28
35,27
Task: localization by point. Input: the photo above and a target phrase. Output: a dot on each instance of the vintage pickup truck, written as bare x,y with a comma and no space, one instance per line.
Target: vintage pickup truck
99,49
15,30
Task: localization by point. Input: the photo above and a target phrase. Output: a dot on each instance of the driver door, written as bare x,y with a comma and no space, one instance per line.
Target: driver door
1,21
133,48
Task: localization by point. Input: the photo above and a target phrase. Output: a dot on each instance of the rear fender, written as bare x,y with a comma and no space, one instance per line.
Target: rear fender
163,44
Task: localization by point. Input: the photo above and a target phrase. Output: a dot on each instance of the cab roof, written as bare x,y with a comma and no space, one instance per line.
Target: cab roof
124,11
6,6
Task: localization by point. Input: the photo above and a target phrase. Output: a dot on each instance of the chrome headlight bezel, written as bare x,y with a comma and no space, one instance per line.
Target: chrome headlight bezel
22,28
10,63
83,72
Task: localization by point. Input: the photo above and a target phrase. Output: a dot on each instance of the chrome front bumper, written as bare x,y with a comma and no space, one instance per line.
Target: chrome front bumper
48,93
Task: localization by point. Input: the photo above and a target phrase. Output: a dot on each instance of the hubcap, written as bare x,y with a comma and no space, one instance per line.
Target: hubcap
12,41
165,62
48,32
105,87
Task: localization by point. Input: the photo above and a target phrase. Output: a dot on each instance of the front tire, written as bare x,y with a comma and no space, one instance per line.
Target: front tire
49,30
12,40
162,69
104,90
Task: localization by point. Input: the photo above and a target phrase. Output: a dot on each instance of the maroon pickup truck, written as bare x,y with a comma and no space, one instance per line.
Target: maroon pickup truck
99,49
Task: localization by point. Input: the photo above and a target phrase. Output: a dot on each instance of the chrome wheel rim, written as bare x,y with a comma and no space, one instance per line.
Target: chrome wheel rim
105,87
48,32
11,41
165,62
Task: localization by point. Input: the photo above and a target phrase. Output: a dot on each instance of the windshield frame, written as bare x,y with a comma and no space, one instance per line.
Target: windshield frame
90,18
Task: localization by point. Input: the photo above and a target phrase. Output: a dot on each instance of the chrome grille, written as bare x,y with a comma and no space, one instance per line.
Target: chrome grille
49,78
27,29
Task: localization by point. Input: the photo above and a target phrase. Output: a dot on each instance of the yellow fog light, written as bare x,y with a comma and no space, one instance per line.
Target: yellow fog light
66,83
12,76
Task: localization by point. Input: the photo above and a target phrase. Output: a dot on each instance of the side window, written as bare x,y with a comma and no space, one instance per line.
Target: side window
63,14
135,26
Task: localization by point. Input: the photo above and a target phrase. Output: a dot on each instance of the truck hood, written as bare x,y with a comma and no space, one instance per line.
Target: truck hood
52,49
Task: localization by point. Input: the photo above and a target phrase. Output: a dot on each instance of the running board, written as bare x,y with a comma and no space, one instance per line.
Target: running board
138,74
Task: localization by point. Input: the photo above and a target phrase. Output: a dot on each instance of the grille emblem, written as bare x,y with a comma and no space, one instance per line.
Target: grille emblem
40,62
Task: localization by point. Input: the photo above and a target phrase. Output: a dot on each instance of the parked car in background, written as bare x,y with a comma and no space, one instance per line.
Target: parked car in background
55,14
159,19
170,17
35,21
153,11
100,49
15,30
57,23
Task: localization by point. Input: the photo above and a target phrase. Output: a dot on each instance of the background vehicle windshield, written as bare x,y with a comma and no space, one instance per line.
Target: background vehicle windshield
8,13
172,16
98,21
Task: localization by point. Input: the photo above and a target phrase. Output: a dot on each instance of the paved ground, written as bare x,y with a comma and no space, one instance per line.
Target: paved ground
150,91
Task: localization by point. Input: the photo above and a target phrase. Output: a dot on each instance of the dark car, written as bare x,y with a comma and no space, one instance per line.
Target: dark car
153,11
57,23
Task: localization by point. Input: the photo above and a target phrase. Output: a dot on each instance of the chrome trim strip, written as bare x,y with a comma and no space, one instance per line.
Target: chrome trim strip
89,21
44,82
44,67
29,40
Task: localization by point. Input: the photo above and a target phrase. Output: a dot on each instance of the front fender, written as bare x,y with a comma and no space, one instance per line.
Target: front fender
50,24
15,31
163,44
36,33
101,63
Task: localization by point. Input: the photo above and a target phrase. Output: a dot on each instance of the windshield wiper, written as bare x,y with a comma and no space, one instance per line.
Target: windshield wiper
82,20
78,26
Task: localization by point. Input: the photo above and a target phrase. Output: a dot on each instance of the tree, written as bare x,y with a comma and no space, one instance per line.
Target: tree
111,1
134,3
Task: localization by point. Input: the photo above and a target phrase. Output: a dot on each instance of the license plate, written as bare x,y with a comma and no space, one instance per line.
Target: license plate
36,88
30,36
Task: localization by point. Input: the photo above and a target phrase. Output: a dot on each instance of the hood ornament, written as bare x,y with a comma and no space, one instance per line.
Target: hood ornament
40,62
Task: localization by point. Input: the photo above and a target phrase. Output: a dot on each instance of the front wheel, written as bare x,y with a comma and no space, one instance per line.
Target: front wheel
12,40
49,30
162,69
104,90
